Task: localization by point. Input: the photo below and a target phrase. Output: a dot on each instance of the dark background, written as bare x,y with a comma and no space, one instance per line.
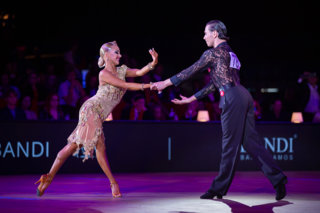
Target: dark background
275,40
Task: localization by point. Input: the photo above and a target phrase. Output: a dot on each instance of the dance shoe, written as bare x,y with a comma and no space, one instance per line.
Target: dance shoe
281,189
44,181
115,190
210,195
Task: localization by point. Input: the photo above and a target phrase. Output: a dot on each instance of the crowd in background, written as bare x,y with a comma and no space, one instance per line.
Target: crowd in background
38,87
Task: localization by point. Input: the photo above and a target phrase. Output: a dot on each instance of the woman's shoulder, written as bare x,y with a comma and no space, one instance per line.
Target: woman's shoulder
123,67
122,70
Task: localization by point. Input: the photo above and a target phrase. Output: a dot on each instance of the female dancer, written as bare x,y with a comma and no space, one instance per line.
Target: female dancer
94,111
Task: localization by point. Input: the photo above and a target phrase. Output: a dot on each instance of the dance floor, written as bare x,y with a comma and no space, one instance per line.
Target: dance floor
158,192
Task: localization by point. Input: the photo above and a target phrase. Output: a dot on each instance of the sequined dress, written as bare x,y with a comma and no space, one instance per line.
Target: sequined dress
93,112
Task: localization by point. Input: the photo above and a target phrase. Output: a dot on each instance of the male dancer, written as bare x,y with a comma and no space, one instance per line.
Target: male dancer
237,118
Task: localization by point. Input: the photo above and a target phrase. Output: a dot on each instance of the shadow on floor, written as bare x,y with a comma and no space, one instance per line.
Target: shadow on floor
237,207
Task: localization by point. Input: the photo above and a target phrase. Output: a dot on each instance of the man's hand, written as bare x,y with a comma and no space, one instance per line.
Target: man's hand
184,100
161,85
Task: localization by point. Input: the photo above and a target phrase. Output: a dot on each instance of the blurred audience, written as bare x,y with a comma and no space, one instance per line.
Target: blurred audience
192,111
155,112
71,57
276,113
44,93
257,110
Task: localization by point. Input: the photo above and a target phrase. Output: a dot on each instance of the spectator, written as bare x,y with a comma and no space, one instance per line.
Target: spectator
277,113
10,111
25,106
136,110
70,93
51,110
172,115
51,84
33,89
5,86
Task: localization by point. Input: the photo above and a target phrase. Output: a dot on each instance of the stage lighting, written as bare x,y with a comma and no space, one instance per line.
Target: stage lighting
296,117
109,118
203,116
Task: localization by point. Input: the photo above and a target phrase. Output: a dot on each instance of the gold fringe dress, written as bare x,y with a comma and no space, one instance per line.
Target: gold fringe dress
93,113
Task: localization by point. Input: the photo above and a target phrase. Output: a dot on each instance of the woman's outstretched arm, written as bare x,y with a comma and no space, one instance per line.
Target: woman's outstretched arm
131,72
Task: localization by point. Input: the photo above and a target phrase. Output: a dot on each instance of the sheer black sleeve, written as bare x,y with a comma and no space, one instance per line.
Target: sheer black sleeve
209,88
201,64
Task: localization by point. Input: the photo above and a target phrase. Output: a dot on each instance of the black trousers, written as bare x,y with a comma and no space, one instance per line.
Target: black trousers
238,127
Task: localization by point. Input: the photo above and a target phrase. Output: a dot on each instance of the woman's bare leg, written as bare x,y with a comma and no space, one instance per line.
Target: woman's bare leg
45,180
104,164
62,156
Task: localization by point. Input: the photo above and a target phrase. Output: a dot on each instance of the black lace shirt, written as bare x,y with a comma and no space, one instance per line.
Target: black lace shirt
224,68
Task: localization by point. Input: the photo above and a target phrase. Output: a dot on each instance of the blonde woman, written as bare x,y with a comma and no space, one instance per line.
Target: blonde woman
88,133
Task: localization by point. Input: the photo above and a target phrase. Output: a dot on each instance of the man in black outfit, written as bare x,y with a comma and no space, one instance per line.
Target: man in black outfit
237,118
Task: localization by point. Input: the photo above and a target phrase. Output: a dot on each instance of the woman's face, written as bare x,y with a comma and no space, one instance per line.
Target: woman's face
114,55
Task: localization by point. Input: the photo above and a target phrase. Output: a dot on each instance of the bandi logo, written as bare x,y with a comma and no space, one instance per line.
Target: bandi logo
34,149
281,148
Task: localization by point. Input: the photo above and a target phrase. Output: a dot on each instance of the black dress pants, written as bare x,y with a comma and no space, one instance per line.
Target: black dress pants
238,127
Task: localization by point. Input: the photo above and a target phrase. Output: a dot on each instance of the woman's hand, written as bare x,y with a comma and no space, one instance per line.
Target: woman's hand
154,56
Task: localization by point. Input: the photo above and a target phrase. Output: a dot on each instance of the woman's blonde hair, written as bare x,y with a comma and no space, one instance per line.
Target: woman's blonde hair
103,49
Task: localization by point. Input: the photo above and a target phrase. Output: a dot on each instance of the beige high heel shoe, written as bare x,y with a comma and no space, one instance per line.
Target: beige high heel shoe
44,179
115,190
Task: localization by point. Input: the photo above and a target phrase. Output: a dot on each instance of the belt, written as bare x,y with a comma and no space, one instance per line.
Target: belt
225,87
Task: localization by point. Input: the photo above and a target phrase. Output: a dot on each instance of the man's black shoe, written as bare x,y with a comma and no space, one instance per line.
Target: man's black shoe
281,189
210,195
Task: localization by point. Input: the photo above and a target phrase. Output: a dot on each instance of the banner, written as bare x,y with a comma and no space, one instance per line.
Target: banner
31,147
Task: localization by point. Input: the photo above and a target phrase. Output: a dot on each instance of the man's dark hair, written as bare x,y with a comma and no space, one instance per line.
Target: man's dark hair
219,27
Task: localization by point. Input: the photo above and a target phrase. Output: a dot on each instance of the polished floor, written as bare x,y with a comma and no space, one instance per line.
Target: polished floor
158,192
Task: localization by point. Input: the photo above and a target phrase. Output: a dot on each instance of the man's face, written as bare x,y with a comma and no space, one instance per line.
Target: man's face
208,36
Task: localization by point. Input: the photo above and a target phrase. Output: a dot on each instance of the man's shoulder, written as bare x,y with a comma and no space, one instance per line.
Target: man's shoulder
220,51
208,52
